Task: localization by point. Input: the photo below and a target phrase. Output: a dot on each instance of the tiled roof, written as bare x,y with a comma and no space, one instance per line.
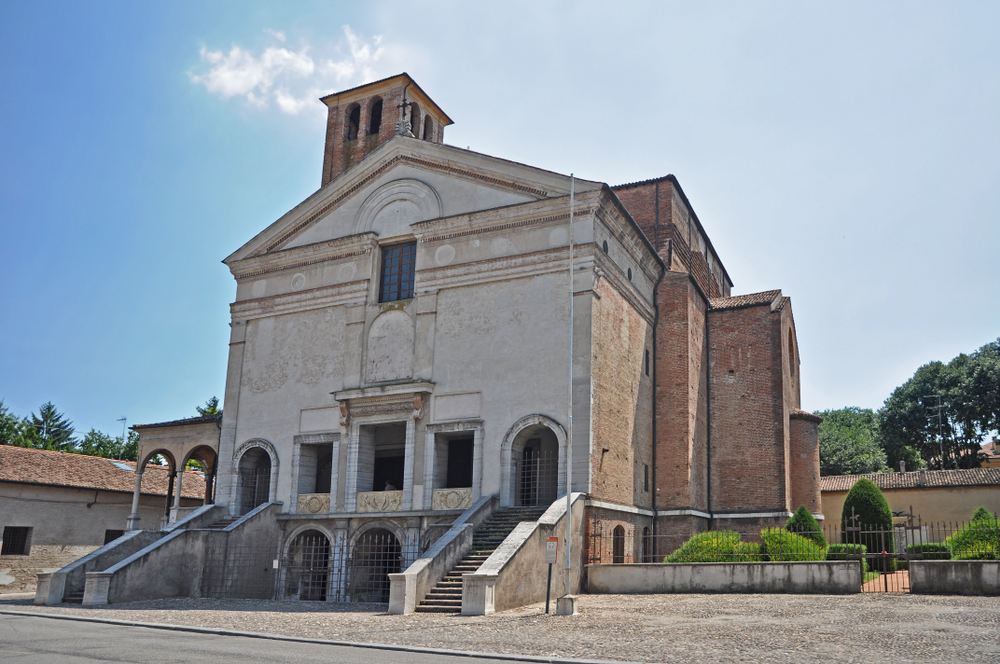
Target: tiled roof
173,423
748,300
805,415
639,183
29,466
912,480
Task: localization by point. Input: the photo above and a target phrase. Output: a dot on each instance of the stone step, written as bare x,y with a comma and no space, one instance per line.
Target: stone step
73,598
437,609
457,603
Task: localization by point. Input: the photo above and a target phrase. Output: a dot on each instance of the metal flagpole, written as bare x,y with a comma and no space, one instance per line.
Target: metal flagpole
569,438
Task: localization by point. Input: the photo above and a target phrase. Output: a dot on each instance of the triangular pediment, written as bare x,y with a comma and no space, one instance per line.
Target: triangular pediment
406,181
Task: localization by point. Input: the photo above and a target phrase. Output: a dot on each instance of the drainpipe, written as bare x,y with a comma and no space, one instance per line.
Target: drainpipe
708,415
656,322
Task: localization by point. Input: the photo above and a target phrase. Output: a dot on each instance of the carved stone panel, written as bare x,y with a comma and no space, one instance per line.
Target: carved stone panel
390,347
313,503
451,499
380,501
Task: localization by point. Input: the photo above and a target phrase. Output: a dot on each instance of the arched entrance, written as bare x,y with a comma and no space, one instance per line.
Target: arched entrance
537,467
206,460
254,479
376,555
307,567
618,545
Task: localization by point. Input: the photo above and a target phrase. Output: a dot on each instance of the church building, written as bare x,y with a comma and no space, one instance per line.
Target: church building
400,353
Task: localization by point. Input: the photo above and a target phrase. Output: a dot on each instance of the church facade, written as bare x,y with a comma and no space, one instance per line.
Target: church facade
400,349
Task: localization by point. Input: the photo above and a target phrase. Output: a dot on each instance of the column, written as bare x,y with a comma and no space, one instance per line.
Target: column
133,518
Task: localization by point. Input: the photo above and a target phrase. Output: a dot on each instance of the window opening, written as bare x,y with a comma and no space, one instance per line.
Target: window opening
604,245
630,274
381,457
647,361
398,265
111,535
428,128
791,352
647,546
375,118
307,568
353,122
15,541
645,477
415,119
459,464
618,545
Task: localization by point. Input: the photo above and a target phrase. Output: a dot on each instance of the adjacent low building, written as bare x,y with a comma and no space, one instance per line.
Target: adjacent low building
932,495
56,507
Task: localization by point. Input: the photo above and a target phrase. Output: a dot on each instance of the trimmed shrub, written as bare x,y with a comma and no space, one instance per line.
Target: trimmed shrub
866,502
722,546
930,550
805,524
978,540
843,551
781,545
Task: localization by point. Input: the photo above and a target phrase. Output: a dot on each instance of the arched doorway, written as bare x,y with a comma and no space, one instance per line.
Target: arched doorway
376,555
254,479
205,462
536,467
307,567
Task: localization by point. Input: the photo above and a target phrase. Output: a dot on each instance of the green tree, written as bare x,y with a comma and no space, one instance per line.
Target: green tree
98,443
211,407
850,442
50,430
11,428
867,508
969,389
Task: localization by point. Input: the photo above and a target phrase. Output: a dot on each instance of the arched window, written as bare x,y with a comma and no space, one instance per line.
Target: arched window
630,274
604,246
618,545
415,119
428,128
647,546
791,352
353,122
375,118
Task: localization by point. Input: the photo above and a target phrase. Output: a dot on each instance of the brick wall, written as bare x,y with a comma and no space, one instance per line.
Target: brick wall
804,453
749,414
622,400
681,407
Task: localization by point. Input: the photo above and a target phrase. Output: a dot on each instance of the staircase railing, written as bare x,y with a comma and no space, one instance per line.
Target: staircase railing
406,589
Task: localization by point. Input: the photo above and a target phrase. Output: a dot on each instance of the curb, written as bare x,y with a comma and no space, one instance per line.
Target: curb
299,639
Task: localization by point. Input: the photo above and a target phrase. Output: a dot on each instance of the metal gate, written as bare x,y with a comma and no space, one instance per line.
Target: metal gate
376,555
256,484
537,475
307,567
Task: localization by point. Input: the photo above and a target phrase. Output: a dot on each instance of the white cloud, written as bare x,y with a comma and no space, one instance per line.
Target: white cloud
291,79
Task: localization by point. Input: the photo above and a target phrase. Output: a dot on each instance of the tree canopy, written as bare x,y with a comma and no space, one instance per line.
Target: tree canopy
51,430
211,407
850,442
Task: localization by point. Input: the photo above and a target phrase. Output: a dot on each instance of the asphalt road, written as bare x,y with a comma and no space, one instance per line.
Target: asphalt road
31,640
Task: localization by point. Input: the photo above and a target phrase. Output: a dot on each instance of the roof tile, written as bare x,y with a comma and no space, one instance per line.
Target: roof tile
912,480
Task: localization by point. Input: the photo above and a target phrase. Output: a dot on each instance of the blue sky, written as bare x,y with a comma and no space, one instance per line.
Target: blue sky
848,154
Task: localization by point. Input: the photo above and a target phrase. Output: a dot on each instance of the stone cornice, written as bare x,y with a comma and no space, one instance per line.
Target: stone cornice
310,254
304,300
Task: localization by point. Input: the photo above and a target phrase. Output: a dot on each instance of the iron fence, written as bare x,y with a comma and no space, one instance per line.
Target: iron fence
883,552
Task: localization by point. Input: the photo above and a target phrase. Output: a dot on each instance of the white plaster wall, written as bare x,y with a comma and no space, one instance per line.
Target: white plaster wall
290,363
457,196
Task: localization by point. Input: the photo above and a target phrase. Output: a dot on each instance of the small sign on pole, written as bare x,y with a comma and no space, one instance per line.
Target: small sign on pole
551,549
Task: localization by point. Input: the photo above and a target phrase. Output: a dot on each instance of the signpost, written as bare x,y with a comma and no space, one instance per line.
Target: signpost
551,547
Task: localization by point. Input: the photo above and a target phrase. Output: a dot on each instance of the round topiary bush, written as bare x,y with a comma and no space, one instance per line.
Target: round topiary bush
805,524
870,511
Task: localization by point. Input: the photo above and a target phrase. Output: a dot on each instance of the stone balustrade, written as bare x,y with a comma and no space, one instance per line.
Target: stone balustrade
451,499
313,503
380,501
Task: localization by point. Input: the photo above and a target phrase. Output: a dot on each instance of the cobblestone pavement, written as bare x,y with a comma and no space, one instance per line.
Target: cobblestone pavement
645,628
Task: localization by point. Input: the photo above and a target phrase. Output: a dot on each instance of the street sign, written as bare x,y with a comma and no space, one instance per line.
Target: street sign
551,546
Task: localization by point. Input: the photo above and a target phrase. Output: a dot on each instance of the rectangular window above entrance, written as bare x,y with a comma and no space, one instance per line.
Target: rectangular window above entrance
398,263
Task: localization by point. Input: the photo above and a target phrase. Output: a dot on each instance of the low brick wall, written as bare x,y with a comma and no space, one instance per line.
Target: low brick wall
955,577
827,578
18,574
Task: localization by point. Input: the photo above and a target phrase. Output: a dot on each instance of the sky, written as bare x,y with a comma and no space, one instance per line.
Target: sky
846,153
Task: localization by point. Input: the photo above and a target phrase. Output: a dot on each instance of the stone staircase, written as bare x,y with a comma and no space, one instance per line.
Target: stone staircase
75,597
446,596
221,524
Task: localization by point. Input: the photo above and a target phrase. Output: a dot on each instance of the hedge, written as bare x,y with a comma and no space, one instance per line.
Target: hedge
805,524
781,545
722,546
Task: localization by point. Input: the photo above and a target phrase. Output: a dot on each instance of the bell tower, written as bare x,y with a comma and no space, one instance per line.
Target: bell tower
362,118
